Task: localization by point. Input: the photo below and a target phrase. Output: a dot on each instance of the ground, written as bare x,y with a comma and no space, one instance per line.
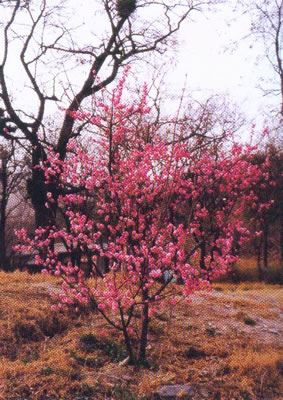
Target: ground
226,344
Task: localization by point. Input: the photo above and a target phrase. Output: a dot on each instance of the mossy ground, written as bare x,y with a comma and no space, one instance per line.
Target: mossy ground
48,355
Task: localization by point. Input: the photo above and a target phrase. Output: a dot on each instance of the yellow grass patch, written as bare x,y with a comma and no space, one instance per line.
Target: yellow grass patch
273,289
249,361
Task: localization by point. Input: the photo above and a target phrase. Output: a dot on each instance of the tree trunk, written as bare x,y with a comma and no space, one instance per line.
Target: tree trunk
144,331
259,267
281,227
132,359
4,180
202,254
37,190
265,244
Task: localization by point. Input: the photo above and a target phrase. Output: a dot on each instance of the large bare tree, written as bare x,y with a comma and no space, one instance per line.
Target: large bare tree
49,40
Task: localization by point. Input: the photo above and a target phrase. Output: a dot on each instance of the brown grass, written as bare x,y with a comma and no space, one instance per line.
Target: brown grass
42,357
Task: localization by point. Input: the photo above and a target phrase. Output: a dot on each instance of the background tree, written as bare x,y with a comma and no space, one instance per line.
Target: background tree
47,41
12,175
7,186
12,178
268,221
4,157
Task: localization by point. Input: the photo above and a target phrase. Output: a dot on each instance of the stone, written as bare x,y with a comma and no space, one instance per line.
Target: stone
173,392
124,362
210,331
204,393
279,366
194,352
274,331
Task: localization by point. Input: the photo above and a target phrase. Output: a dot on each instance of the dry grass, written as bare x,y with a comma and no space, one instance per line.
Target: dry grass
261,366
245,286
42,356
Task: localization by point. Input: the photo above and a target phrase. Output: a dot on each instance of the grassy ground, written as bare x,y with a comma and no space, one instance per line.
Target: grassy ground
226,344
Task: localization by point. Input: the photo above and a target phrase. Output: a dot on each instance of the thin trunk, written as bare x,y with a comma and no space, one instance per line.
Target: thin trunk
4,180
259,267
132,359
265,245
88,269
202,254
144,331
281,227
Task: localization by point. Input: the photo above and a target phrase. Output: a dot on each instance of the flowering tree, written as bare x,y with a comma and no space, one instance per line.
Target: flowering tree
153,205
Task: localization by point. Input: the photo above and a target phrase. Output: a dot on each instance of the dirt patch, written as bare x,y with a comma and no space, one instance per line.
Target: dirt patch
48,287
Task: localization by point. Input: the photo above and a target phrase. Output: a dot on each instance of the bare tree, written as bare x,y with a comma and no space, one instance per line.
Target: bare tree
267,28
207,123
4,156
48,48
11,179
